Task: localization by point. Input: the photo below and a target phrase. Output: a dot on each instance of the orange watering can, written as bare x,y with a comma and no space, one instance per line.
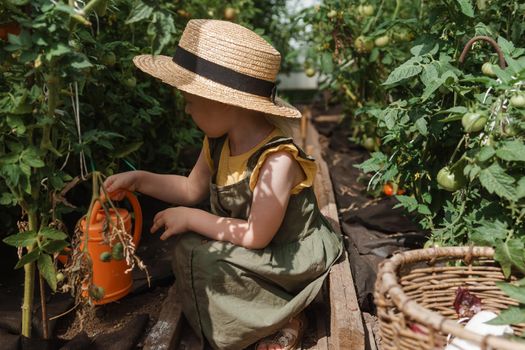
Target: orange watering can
110,282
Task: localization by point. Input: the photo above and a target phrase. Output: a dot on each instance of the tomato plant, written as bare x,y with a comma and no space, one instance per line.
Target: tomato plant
73,103
355,45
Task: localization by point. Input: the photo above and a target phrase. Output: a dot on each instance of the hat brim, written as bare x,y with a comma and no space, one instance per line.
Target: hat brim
163,68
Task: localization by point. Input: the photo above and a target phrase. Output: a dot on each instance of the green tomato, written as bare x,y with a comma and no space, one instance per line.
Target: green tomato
60,277
518,101
97,292
382,41
332,14
310,72
105,256
473,121
365,10
109,59
404,35
117,252
229,13
450,180
363,44
130,82
510,129
431,244
369,143
486,68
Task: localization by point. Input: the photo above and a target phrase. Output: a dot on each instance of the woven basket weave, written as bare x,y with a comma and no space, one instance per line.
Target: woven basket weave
415,292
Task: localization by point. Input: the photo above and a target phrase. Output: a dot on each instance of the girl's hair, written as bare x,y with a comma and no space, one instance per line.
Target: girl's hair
287,125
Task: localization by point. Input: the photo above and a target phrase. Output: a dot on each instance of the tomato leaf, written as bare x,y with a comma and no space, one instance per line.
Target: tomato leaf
466,7
54,246
21,239
513,291
47,270
508,254
512,151
495,180
28,258
407,70
512,315
51,233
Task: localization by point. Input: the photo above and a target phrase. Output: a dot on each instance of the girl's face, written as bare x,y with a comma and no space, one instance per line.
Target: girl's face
210,116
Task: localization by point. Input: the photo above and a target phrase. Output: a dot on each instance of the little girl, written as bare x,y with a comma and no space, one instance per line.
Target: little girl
247,269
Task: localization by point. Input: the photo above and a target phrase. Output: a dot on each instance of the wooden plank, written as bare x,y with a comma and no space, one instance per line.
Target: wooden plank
346,323
165,334
370,321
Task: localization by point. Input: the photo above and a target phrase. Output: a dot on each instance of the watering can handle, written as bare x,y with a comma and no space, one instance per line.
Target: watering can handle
136,209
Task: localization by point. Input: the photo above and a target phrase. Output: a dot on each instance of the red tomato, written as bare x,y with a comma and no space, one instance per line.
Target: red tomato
388,189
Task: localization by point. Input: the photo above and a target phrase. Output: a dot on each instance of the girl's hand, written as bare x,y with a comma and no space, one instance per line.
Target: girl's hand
174,221
117,184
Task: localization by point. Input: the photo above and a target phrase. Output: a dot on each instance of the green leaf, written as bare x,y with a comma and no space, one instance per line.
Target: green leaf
424,210
421,125
472,171
47,270
81,64
512,151
512,315
31,157
16,123
390,117
327,64
509,254
506,46
466,7
495,180
28,258
54,246
485,153
409,203
51,233
7,199
521,188
402,72
57,50
457,109
429,75
128,149
140,12
513,291
490,233
21,239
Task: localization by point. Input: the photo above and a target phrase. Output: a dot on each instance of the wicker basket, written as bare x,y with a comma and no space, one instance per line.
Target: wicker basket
415,291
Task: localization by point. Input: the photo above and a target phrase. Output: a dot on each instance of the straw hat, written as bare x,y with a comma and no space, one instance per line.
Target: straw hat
224,62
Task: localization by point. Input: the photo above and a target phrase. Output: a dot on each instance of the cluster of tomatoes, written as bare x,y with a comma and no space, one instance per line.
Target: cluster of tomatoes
451,178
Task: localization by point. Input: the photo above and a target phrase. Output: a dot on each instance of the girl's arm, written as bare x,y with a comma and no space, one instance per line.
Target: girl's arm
176,189
278,175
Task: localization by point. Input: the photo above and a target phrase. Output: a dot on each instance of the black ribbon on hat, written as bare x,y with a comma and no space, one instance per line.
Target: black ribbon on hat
223,75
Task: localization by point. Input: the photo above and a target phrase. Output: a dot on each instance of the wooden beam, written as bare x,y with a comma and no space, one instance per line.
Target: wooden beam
165,334
346,323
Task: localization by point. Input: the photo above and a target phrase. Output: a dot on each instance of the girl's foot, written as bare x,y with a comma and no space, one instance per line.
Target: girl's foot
288,338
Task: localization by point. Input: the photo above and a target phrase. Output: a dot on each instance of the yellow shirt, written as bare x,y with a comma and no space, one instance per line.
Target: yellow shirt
233,169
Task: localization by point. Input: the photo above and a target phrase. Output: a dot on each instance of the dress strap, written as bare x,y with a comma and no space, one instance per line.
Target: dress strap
215,145
274,142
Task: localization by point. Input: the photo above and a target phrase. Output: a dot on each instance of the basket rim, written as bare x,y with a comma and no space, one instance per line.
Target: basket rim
387,283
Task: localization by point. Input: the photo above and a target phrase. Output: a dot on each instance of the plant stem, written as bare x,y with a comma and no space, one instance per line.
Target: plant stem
45,328
457,148
396,11
29,285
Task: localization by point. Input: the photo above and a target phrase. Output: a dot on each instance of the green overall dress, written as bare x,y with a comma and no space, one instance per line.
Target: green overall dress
234,296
